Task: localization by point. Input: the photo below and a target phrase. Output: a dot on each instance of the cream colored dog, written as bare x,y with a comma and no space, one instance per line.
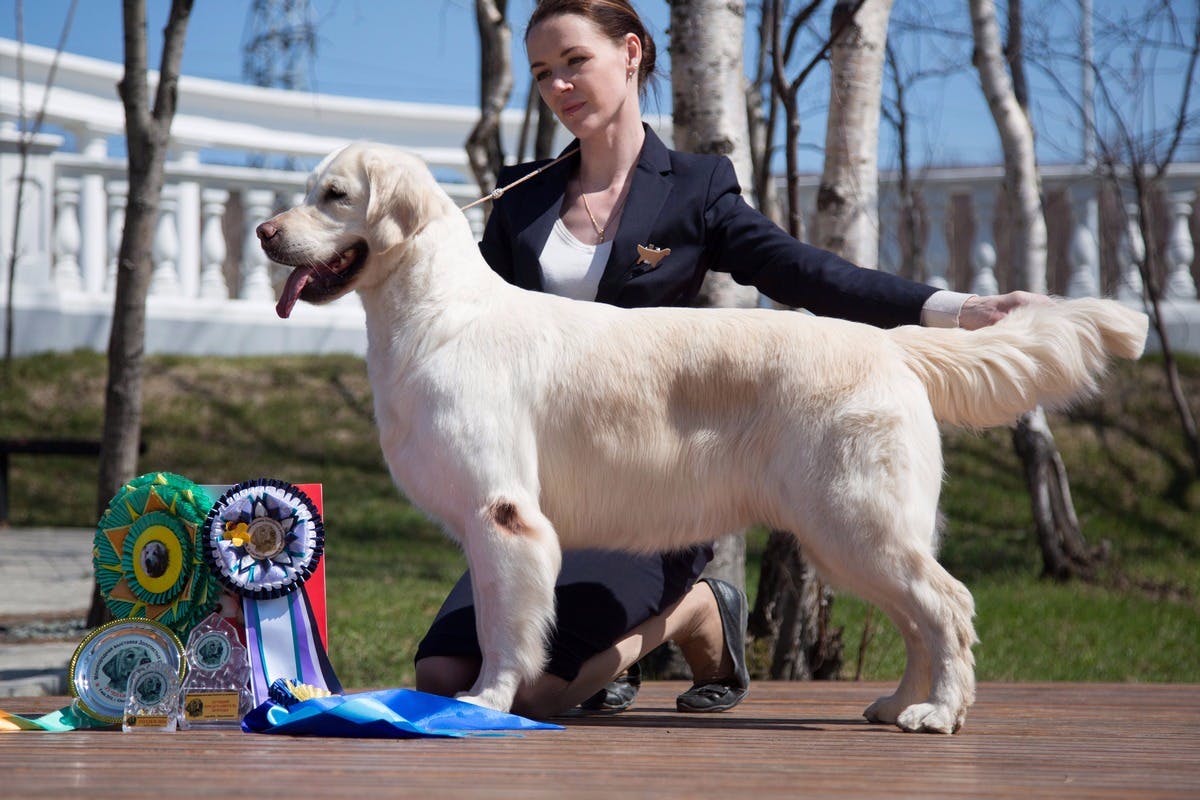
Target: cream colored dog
526,423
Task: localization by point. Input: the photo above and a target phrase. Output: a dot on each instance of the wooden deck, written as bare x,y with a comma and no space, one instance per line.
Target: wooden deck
786,740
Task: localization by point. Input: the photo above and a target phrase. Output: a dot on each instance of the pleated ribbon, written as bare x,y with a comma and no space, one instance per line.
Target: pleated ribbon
263,539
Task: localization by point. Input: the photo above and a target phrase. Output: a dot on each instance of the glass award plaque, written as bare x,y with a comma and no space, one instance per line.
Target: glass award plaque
217,688
105,661
152,702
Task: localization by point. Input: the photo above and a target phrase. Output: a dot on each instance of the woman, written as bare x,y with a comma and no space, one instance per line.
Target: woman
627,221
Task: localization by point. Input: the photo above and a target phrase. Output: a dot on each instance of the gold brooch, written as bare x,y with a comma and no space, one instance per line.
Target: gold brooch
649,254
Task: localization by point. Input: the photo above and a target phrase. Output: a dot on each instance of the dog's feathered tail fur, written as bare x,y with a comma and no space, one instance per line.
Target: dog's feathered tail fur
1044,354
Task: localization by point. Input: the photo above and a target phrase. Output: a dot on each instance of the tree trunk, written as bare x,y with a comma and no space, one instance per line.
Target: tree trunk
848,199
1022,183
792,609
1065,554
484,151
847,224
709,116
147,134
709,107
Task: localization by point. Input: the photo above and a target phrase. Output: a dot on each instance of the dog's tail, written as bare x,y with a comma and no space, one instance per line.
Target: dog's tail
1044,354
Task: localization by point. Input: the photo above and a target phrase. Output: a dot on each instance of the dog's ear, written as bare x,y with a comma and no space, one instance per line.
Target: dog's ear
400,202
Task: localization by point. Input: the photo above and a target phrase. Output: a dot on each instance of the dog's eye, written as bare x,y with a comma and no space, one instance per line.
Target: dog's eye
335,193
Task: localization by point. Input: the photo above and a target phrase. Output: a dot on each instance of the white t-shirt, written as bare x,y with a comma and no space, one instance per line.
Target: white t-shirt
571,268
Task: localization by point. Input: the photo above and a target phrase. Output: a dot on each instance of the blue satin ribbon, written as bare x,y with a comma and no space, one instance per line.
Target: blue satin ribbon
386,714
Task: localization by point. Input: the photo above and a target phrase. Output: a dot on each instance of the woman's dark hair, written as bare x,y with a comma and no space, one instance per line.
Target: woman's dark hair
614,18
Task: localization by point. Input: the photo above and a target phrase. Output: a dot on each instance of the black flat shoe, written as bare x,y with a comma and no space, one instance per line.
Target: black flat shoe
618,695
725,693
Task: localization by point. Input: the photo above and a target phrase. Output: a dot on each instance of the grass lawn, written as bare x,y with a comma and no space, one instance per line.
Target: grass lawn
309,420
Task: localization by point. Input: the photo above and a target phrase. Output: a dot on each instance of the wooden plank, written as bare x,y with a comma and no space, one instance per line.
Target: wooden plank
786,740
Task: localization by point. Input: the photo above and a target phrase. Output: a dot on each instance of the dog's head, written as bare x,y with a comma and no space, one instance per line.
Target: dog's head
363,201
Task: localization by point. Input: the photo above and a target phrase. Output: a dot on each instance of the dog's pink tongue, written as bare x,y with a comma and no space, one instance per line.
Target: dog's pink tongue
291,290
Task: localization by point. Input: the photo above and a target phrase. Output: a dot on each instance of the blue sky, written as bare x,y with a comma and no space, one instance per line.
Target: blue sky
427,51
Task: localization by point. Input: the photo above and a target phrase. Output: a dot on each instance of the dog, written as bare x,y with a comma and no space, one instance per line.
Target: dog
525,423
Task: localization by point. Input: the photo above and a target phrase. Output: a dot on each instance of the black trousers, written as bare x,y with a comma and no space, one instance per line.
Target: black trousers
600,596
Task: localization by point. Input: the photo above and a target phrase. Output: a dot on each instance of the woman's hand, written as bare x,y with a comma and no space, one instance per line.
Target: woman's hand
979,312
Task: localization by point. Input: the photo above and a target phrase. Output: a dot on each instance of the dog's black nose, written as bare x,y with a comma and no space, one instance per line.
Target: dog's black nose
266,231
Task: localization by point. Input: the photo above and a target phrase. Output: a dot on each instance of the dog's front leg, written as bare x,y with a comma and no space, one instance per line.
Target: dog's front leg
514,556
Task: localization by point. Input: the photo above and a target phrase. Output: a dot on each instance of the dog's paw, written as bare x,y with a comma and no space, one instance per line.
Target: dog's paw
885,710
929,718
487,699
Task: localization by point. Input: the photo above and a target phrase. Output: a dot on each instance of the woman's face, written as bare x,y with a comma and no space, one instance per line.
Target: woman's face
583,75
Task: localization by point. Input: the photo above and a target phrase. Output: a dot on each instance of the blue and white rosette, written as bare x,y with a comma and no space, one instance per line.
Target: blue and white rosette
263,538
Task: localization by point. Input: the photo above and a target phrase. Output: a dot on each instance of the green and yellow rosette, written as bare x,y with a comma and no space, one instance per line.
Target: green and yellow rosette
148,553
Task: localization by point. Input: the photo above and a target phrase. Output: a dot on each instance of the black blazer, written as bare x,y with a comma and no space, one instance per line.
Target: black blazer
691,204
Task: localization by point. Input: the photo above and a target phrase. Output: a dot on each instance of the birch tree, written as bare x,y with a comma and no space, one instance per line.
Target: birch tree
792,611
847,224
708,89
1022,184
848,199
483,145
1065,553
147,136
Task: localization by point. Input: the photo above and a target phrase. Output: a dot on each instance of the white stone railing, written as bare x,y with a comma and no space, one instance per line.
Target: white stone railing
212,291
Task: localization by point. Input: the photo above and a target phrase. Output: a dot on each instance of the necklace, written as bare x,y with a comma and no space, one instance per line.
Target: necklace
596,225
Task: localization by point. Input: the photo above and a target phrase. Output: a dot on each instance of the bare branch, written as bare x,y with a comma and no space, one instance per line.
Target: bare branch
1188,83
174,35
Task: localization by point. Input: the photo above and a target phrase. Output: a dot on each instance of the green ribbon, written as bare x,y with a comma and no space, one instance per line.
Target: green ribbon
147,553
64,719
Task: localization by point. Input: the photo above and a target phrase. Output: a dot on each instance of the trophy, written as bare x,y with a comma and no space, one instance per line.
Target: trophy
105,661
152,702
217,688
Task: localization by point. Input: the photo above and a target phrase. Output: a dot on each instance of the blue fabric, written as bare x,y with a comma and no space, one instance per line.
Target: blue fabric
385,714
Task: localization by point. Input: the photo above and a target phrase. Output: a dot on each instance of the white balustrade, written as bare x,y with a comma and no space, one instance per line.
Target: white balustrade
1084,256
67,236
118,192
1130,252
983,250
1180,250
256,280
93,211
937,250
187,222
164,281
75,206
212,244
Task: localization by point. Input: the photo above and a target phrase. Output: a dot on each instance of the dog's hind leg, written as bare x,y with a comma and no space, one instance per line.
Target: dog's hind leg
914,685
514,556
942,608
933,612
872,531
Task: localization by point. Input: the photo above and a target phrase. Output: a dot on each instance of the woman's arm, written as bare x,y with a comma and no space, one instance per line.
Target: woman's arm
756,252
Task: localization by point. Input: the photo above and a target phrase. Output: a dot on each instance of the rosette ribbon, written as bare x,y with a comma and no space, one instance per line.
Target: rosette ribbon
147,552
263,538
